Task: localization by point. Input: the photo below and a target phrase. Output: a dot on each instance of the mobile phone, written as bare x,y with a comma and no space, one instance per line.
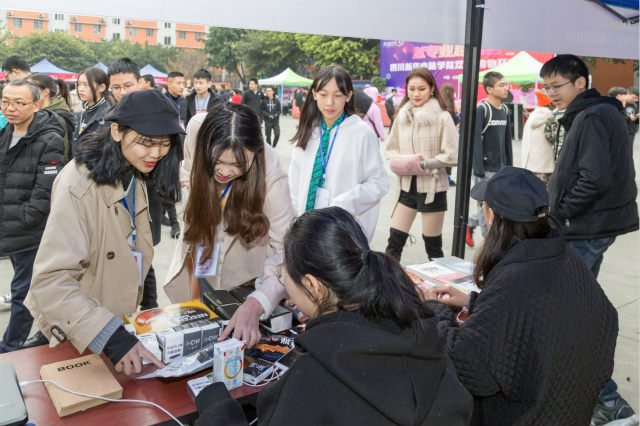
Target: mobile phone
12,408
288,359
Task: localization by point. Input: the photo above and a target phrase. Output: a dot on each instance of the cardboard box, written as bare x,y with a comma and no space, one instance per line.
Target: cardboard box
228,361
175,315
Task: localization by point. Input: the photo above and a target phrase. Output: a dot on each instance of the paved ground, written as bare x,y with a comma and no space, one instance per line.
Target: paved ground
619,276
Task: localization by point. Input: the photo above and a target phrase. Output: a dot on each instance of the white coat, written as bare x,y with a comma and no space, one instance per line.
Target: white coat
537,151
355,173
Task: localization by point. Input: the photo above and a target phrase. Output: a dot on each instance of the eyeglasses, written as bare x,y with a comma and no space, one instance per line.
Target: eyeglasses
281,275
126,87
16,104
549,90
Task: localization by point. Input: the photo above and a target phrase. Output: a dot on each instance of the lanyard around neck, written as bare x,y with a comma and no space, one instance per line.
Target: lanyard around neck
325,163
203,104
133,213
224,196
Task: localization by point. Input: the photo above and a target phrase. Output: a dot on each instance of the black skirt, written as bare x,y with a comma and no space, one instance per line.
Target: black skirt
415,200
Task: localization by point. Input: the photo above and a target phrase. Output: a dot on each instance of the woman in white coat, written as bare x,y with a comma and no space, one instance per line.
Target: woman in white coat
336,161
537,151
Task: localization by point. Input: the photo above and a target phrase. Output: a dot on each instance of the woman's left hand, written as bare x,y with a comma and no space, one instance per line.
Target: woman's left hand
446,294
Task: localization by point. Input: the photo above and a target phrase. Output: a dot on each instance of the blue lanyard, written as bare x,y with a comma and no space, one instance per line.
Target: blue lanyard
133,214
326,162
202,106
222,200
171,99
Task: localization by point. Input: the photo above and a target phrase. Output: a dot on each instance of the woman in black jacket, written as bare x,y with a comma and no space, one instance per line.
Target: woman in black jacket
538,346
92,91
370,354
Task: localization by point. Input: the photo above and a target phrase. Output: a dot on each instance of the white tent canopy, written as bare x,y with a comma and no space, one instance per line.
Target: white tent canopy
568,26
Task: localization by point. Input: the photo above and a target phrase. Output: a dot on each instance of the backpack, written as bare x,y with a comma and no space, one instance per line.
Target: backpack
487,114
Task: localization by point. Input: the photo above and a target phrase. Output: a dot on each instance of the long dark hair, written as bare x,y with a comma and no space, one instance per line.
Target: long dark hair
235,127
310,115
426,75
503,234
107,166
95,77
56,87
330,245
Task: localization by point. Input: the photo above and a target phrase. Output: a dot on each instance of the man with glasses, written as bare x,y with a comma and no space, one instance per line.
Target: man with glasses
592,189
15,68
31,155
123,77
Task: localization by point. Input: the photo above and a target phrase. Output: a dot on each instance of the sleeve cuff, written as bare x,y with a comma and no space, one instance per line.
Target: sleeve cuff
264,301
98,343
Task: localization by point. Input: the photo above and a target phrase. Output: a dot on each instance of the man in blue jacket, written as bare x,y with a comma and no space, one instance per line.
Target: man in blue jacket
592,190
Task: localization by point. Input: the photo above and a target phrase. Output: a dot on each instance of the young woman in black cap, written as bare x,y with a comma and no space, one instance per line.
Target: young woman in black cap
538,346
97,248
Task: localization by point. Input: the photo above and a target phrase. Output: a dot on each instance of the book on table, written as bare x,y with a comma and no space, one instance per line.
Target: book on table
451,271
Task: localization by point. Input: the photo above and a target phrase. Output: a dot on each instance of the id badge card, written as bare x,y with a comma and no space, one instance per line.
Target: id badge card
181,123
323,198
137,256
210,267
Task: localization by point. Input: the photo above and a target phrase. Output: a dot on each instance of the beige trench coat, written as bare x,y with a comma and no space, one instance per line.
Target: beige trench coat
241,262
84,273
429,131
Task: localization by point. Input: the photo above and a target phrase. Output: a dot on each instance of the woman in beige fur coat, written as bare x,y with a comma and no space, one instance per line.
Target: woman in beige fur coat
423,129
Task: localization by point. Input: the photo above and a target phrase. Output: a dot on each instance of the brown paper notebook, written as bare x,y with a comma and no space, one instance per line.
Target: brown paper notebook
87,374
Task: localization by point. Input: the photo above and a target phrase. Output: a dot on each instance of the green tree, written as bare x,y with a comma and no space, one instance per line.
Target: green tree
188,61
59,48
5,49
142,54
222,50
359,56
267,53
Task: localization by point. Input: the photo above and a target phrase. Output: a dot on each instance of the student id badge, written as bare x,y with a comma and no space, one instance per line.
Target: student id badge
210,267
323,198
137,256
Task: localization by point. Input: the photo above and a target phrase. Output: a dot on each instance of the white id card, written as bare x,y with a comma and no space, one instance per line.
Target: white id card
137,256
210,267
323,198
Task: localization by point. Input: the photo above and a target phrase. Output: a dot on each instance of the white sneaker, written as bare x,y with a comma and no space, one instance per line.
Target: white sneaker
6,298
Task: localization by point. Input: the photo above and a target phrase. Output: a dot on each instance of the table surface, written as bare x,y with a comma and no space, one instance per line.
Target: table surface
171,394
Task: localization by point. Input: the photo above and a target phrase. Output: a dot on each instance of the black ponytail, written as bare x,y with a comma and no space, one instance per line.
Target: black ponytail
330,245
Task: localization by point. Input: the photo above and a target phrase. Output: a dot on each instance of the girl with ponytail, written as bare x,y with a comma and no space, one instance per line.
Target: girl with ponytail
370,354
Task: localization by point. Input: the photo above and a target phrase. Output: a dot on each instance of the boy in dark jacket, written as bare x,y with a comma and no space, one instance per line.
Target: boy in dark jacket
592,190
253,98
31,155
492,140
202,98
271,116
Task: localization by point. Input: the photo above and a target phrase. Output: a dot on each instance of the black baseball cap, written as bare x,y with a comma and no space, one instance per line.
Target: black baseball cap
147,112
515,194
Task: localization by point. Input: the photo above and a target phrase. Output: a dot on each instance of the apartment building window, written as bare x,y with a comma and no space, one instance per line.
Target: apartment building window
167,41
116,36
96,29
17,22
59,17
58,30
116,21
167,24
38,24
77,27
149,32
182,35
198,36
133,32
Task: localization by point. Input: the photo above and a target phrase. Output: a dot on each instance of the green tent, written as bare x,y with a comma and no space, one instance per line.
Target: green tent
521,69
286,78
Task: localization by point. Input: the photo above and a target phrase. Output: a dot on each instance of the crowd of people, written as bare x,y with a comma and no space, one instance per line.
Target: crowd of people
83,194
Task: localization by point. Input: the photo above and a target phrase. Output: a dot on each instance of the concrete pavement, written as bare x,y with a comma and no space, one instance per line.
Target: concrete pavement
619,275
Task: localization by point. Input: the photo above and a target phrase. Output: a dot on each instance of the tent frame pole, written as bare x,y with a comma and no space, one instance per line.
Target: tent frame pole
472,51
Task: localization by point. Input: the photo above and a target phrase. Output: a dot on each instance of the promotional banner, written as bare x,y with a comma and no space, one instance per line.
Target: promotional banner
445,61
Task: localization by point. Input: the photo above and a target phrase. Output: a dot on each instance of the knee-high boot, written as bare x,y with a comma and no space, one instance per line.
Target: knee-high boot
397,240
433,245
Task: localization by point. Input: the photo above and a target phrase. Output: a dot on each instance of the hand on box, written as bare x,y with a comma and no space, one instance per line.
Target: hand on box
446,294
131,363
244,323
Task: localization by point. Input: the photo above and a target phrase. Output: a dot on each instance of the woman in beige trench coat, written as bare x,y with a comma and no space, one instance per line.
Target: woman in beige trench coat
96,248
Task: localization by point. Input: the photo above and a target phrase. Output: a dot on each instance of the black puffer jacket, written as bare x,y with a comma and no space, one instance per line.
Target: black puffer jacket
357,371
592,190
538,346
27,172
90,120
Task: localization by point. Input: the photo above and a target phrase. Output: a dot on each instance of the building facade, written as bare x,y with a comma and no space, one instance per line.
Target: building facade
90,28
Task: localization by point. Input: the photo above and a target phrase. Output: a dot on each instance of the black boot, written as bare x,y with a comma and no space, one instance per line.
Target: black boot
37,339
397,240
433,245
